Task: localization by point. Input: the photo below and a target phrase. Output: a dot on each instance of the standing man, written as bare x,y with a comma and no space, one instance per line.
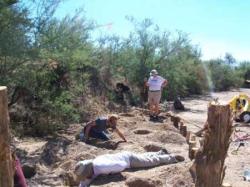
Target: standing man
155,84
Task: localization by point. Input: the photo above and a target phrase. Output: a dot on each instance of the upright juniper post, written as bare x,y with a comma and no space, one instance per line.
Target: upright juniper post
6,164
209,159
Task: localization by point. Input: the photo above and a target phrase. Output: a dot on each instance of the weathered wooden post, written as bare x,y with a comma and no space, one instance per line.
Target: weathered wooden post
175,121
209,159
183,129
192,152
188,136
6,166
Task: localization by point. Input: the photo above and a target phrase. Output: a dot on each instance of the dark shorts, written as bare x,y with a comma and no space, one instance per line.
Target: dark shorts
98,135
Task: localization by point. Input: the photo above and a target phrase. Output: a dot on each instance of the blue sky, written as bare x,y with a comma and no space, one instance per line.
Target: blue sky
217,26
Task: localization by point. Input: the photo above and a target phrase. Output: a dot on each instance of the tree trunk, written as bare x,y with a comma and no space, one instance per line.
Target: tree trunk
6,166
209,160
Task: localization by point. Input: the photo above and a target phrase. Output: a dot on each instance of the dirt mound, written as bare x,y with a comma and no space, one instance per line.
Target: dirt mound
179,176
170,137
143,182
152,148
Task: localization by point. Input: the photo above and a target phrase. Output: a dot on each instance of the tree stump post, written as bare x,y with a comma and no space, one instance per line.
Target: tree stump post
188,136
175,121
209,159
183,129
6,164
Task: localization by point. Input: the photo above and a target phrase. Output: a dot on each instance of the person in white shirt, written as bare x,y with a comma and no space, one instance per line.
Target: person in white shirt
155,85
88,170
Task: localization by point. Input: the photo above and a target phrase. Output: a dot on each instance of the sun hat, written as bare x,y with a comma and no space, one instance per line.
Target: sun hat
84,169
153,72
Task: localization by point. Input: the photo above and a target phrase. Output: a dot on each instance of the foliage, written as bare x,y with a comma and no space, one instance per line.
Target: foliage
224,76
53,68
243,71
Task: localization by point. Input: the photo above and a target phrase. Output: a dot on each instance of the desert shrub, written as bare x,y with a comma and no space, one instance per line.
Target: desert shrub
58,74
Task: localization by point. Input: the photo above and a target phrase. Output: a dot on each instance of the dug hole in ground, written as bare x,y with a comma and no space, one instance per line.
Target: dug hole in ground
54,157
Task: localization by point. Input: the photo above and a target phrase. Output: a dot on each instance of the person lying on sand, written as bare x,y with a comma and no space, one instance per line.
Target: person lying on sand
98,128
87,170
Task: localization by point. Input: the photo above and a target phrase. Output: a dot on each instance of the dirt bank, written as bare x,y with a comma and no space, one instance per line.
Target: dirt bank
53,157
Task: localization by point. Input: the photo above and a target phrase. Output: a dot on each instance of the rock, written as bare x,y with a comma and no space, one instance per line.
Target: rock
142,182
29,170
54,149
142,131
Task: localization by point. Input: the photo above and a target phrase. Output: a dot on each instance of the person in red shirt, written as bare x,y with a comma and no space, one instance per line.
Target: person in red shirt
19,179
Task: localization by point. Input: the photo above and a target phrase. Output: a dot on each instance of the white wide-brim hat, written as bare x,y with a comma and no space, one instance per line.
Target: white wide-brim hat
153,72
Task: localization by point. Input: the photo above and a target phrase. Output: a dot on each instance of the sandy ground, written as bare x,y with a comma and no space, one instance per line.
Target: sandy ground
53,157
196,116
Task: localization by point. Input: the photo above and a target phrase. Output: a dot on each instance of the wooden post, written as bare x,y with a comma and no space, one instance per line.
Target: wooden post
192,145
183,129
201,142
192,137
172,118
175,121
209,160
193,152
6,166
181,124
188,136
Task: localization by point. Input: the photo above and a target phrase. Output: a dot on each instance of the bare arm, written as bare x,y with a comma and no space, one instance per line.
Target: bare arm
146,82
164,84
88,127
120,134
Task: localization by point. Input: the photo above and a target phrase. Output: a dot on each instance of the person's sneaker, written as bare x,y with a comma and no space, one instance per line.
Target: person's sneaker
164,151
151,118
156,118
179,158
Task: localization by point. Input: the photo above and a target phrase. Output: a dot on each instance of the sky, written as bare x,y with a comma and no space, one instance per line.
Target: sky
216,26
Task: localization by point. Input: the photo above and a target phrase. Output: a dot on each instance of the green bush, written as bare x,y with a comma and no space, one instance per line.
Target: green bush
54,69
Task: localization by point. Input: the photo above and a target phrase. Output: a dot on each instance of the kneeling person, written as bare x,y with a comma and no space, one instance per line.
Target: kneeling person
87,170
98,128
